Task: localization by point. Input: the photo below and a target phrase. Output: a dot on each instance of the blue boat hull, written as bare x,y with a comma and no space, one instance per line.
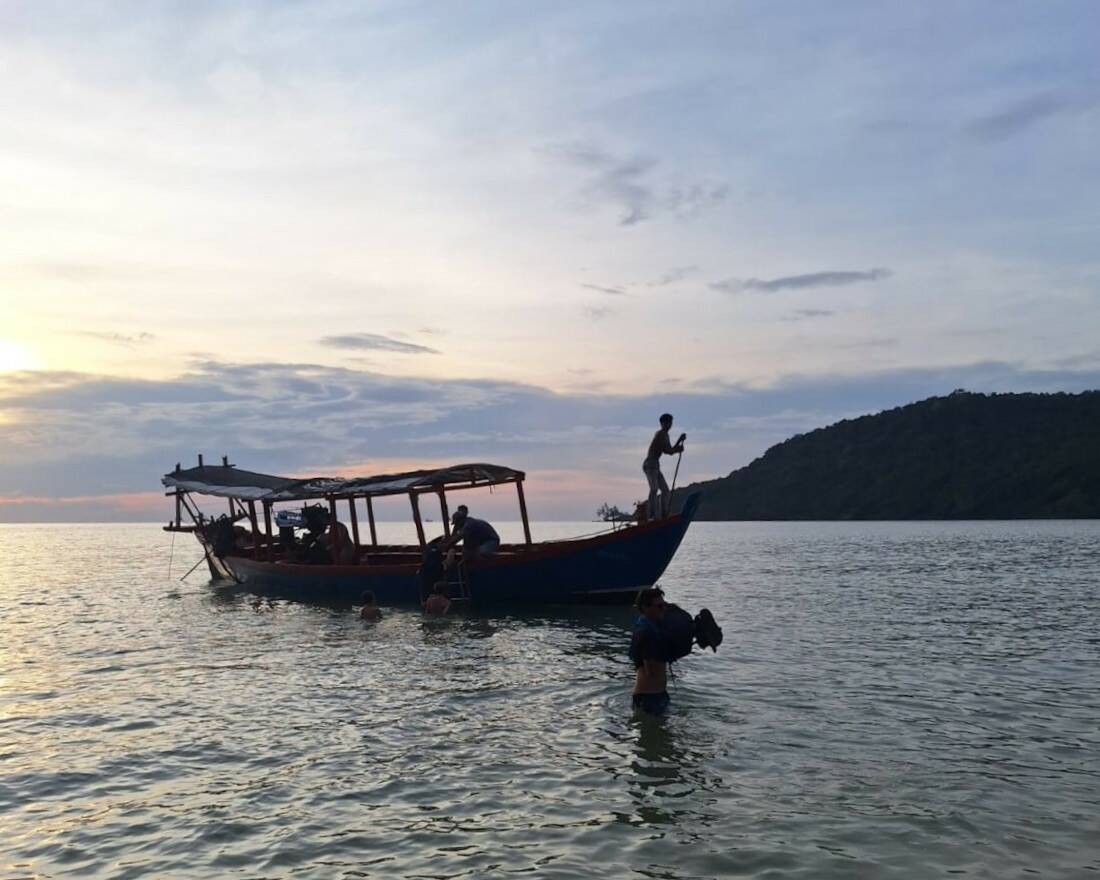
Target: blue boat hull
608,568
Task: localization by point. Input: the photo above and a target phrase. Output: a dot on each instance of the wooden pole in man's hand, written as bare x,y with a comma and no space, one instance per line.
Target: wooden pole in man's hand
676,472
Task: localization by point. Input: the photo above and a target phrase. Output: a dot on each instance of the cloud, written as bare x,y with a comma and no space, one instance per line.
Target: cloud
1024,114
805,314
629,186
123,339
598,313
610,291
69,435
870,342
798,282
677,273
374,342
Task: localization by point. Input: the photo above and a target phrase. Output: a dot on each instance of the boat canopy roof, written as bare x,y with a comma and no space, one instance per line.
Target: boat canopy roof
231,482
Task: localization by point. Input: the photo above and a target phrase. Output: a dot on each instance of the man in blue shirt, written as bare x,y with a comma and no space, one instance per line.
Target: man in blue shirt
479,539
647,651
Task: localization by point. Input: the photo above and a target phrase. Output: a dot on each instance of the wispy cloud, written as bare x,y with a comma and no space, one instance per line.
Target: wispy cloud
799,282
1024,114
632,186
610,291
598,313
129,340
69,434
870,342
677,273
806,314
374,342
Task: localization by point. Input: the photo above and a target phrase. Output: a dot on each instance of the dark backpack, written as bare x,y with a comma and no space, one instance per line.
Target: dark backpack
708,634
680,631
677,632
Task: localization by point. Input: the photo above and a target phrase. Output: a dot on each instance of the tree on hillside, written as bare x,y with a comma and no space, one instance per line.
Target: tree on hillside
611,513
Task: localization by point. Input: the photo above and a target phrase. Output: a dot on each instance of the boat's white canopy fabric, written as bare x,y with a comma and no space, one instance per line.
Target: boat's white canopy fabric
231,482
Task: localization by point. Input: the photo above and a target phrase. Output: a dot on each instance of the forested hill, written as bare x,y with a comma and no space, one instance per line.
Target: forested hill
964,456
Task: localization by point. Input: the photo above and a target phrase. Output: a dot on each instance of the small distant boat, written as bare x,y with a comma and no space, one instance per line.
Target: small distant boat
241,546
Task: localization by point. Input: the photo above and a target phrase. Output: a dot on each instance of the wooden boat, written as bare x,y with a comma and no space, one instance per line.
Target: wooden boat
242,546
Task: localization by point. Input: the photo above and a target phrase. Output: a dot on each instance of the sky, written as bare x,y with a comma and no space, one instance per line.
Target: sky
354,238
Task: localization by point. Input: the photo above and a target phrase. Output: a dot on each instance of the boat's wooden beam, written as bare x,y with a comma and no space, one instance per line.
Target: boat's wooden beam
354,524
267,529
179,510
255,530
370,521
523,512
415,501
192,512
333,522
444,511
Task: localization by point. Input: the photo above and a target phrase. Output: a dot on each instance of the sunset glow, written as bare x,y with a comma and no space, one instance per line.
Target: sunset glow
351,239
15,357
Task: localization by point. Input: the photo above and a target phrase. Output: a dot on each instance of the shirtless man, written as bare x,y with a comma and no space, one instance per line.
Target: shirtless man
648,653
651,467
438,604
327,541
370,609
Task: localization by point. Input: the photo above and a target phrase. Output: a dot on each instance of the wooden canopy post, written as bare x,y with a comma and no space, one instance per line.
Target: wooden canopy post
354,524
255,529
523,512
370,520
333,522
443,510
179,510
415,501
267,530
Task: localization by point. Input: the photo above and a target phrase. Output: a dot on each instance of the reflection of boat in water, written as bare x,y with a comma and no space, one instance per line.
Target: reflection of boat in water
609,567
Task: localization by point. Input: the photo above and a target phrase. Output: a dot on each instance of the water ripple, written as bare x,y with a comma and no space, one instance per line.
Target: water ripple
891,700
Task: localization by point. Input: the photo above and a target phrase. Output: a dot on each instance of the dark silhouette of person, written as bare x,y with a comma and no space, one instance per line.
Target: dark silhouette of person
651,467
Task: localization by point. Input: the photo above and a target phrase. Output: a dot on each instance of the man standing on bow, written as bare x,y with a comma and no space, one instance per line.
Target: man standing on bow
651,467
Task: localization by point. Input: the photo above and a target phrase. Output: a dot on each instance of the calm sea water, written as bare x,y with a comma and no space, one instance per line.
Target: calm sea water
892,700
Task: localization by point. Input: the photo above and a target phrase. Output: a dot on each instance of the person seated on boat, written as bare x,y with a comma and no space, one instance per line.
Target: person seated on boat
327,541
340,546
479,539
651,467
313,550
370,609
647,651
438,604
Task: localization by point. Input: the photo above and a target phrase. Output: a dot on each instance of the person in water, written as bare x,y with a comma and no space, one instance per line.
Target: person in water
651,467
370,609
479,539
438,604
647,650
